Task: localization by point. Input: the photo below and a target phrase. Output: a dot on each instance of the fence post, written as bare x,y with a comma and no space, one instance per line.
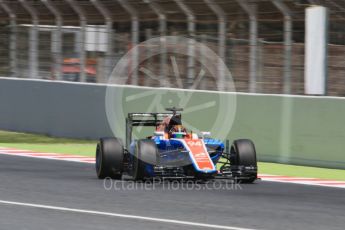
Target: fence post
135,38
287,44
57,39
203,52
315,58
253,37
148,52
221,39
191,44
33,40
82,39
109,30
12,39
162,30
260,66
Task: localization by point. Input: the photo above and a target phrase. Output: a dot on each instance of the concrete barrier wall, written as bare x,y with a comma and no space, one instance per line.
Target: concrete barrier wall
53,108
285,129
297,130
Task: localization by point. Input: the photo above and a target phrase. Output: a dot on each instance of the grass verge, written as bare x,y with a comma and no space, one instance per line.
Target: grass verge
301,171
42,143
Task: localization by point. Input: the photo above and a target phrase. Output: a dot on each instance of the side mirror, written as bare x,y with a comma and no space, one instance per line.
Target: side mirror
204,135
158,133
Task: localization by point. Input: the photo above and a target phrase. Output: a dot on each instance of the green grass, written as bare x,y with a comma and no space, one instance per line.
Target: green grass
301,171
43,143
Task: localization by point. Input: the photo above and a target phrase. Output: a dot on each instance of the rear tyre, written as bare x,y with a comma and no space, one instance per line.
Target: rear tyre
243,157
109,158
145,153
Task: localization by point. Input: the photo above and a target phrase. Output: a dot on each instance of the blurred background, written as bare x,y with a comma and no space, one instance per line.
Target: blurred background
262,42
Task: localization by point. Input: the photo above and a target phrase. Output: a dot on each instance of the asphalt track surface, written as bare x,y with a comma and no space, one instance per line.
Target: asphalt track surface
264,205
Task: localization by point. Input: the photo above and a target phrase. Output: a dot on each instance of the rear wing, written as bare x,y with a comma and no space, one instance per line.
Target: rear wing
143,119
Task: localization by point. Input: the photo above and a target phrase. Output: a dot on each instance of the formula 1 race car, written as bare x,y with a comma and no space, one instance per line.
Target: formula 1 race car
173,153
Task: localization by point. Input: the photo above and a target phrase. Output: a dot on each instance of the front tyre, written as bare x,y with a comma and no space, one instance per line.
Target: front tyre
243,160
109,158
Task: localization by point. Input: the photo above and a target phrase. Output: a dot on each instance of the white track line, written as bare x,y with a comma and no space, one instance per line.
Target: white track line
304,181
151,219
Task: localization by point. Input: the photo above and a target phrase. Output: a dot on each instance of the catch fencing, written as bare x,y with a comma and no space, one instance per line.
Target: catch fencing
260,41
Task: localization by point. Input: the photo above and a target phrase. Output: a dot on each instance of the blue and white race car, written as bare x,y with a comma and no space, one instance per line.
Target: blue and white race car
172,152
